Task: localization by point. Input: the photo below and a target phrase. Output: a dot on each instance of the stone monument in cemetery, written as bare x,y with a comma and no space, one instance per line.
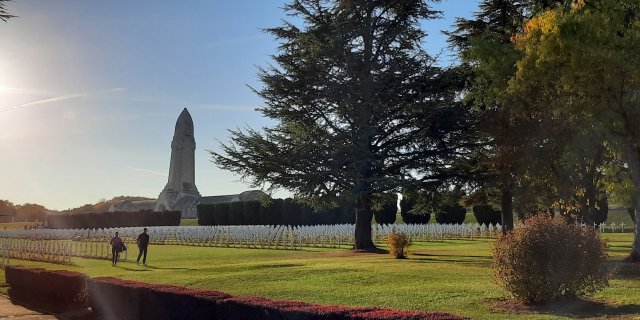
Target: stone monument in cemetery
181,191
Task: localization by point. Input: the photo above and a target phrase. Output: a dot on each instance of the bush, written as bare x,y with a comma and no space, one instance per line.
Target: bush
546,259
451,214
398,243
486,214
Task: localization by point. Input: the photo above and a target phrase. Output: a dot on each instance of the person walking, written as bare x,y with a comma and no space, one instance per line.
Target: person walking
116,248
143,244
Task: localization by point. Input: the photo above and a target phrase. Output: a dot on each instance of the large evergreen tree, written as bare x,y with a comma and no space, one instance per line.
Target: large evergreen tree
361,108
4,15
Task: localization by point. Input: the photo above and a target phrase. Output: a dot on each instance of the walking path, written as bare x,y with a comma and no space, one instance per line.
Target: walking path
8,310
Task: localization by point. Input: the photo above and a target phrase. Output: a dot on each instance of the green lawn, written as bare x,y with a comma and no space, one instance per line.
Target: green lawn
453,276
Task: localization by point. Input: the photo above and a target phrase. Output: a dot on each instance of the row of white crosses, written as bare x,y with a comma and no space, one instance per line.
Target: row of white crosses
435,232
94,243
51,251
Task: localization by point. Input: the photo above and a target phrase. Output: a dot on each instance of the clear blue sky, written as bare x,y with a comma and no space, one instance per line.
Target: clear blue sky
90,91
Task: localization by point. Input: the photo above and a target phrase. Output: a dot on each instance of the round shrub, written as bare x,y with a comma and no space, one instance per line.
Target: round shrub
451,214
546,259
486,214
398,243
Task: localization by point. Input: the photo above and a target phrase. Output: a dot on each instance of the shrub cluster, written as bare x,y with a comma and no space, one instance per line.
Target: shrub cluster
451,214
54,290
276,212
398,244
546,259
486,214
407,208
113,219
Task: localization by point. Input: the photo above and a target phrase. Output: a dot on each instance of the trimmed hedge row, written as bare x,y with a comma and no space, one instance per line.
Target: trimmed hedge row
53,290
113,219
451,214
387,214
485,214
112,298
411,218
277,212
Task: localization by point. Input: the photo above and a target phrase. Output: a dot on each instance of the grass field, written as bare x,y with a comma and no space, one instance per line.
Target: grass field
17,225
453,276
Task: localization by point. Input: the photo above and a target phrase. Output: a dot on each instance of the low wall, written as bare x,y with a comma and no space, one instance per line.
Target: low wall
112,298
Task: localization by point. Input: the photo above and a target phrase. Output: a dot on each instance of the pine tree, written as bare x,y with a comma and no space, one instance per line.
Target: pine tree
361,108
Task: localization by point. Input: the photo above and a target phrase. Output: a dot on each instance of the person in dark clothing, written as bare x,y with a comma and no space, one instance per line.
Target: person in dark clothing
143,243
116,248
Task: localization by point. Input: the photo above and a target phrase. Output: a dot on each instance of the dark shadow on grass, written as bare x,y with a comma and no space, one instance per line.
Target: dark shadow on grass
575,308
275,266
167,268
475,260
131,269
625,270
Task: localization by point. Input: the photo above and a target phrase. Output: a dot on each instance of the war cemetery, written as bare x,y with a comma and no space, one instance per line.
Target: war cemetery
386,184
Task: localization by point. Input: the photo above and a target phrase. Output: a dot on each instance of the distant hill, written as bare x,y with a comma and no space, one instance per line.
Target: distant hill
103,205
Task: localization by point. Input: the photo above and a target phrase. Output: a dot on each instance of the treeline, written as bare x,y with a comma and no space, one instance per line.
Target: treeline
113,219
20,213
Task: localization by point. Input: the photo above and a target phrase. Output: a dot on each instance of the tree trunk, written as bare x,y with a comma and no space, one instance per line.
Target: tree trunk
506,205
364,216
635,249
634,167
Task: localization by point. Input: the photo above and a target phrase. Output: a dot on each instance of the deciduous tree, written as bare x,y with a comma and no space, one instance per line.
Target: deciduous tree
588,58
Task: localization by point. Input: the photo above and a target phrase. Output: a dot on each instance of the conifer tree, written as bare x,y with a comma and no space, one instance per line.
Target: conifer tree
360,108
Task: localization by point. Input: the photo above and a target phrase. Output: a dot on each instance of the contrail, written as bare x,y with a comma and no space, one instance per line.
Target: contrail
60,98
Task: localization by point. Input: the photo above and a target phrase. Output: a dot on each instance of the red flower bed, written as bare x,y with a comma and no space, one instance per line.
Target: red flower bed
54,290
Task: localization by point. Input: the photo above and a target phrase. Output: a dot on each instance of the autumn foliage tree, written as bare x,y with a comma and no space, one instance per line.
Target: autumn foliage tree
582,64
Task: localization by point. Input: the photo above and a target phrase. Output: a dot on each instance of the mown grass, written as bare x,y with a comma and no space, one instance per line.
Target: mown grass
17,225
453,276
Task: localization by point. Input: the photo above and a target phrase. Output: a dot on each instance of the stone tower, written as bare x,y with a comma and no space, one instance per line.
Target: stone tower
181,188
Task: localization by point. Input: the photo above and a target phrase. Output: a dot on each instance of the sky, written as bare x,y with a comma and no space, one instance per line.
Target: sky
90,91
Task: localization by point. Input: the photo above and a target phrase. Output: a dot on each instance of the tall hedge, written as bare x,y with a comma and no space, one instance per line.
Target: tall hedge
485,214
387,213
411,217
235,213
451,214
251,213
276,212
113,219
